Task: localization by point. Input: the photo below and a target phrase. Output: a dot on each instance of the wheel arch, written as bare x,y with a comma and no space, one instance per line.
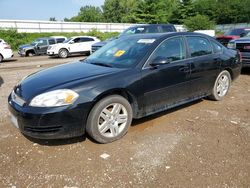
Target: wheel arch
124,93
230,72
30,50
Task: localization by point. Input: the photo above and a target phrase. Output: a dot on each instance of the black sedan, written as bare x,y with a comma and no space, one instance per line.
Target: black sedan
128,78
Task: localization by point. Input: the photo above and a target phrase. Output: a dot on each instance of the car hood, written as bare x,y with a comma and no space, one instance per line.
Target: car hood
26,46
243,40
227,37
60,77
102,43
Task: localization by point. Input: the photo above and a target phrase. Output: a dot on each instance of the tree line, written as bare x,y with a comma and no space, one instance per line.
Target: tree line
163,11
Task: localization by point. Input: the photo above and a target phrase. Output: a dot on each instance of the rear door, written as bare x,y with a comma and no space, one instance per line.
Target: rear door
166,84
205,64
86,43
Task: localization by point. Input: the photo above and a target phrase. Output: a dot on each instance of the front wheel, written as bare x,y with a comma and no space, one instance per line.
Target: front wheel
109,119
221,86
1,58
63,53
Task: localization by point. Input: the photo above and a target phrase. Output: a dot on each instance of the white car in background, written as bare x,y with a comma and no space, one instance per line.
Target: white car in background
5,50
74,45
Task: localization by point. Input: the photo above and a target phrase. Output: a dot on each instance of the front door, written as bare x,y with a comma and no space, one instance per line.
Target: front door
167,84
42,47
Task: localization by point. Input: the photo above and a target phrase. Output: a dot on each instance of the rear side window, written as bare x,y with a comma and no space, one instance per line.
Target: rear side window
85,39
60,40
171,49
167,28
216,47
152,29
199,46
52,41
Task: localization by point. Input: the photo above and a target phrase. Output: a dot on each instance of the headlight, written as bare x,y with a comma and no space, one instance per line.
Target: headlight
61,97
231,45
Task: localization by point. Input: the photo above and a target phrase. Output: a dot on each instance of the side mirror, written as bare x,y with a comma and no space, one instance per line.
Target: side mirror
71,42
159,61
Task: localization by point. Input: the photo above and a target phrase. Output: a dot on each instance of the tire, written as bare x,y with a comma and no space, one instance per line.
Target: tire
63,53
1,58
105,125
29,54
221,86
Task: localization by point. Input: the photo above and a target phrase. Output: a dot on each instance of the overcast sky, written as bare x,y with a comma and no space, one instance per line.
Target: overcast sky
42,9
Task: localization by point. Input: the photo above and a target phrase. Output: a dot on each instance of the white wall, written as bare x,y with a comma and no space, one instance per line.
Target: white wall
34,26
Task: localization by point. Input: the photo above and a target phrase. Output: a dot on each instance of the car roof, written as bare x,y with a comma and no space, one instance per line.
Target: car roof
57,37
164,35
83,36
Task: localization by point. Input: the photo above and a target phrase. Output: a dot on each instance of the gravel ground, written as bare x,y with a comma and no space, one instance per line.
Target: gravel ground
202,144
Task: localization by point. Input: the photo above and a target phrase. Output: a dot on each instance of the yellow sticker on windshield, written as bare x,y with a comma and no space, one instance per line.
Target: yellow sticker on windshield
119,53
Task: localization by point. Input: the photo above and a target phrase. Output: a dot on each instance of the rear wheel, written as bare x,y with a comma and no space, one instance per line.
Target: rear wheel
63,53
221,86
109,119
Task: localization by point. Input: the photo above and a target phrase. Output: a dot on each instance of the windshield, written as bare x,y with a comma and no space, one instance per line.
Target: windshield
66,41
134,30
121,53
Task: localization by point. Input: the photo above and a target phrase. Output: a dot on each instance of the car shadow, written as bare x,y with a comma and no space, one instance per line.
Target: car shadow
71,56
56,142
9,60
245,71
136,122
1,81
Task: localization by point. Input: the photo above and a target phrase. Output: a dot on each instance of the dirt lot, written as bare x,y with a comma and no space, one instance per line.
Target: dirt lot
203,144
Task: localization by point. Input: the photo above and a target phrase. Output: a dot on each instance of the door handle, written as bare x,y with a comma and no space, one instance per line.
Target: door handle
184,69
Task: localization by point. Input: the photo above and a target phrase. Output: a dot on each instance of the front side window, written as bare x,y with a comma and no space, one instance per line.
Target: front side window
171,50
216,47
199,46
77,40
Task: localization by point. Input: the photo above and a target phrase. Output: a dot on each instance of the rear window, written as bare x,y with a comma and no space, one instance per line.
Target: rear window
167,28
199,46
85,39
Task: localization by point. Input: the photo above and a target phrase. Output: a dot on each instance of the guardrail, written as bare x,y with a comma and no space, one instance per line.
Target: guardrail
34,26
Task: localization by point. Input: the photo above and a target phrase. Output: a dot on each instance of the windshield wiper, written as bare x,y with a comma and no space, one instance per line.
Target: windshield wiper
101,64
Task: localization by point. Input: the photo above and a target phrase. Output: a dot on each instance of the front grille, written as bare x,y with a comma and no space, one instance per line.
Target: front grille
243,47
44,129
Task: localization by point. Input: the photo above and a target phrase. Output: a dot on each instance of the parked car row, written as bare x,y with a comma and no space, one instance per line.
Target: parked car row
238,39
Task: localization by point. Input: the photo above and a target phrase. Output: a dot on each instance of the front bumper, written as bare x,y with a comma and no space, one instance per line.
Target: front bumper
50,123
51,53
21,52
